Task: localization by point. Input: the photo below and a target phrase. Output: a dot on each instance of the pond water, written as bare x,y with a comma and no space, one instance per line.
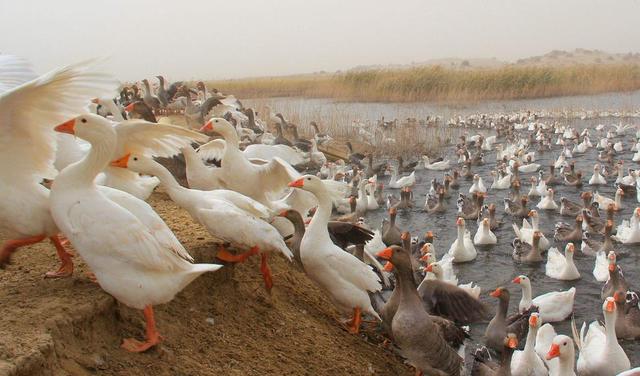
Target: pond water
494,265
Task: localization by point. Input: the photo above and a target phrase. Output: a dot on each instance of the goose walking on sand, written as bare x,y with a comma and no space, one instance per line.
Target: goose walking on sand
134,255
346,279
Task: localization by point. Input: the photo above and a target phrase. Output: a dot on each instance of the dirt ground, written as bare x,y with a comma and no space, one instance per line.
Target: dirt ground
224,323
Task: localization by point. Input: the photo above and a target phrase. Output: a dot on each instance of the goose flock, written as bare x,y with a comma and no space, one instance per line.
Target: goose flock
80,160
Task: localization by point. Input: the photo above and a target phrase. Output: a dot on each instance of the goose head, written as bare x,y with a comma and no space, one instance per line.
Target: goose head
309,183
562,347
609,306
396,256
611,260
88,127
522,280
434,268
135,162
220,126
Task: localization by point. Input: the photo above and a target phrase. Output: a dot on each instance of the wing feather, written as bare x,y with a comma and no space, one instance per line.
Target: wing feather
213,149
159,140
29,111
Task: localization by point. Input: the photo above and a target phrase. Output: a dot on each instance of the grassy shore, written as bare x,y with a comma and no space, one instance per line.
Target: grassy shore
435,83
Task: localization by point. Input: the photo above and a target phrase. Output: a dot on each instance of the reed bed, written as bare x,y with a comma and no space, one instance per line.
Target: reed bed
435,83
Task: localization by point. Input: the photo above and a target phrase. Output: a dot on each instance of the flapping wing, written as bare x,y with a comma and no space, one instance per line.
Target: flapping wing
213,149
29,111
158,140
14,71
277,174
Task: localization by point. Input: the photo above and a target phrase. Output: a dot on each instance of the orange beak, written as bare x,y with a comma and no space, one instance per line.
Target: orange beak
404,236
385,254
554,352
95,100
129,107
533,320
66,127
459,221
207,127
283,213
512,343
424,257
297,183
429,268
612,267
611,305
496,293
516,280
121,162
388,267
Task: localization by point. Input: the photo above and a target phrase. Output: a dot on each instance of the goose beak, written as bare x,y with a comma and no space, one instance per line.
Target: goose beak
611,305
129,107
121,162
554,351
512,343
429,268
385,254
496,293
297,183
283,213
388,267
533,320
66,127
516,280
95,100
612,267
207,127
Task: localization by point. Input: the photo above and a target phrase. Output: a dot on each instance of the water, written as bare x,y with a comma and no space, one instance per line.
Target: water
494,265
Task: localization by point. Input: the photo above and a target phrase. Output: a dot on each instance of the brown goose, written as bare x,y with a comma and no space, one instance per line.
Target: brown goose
500,325
374,169
140,110
450,301
517,209
484,366
573,180
552,179
148,98
391,232
435,204
596,224
591,246
455,184
572,209
280,139
494,223
353,157
379,195
408,168
405,199
564,232
523,252
472,209
352,217
616,281
414,331
628,311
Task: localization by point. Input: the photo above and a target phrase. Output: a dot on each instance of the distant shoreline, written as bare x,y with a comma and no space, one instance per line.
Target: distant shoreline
447,85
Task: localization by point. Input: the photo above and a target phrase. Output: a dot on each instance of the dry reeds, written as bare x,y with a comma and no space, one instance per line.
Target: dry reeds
435,83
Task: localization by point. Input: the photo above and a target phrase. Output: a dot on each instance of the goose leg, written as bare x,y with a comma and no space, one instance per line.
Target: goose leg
11,246
354,324
66,268
152,336
266,272
227,256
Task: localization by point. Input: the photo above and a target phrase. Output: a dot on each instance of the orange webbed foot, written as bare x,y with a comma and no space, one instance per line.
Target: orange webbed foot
133,345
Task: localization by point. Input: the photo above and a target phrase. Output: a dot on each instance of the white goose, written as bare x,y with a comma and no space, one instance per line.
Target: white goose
605,201
527,362
478,185
525,233
560,355
240,175
227,215
600,352
534,191
597,178
436,166
133,254
628,232
347,279
562,267
462,249
500,182
31,106
552,306
404,181
484,235
547,202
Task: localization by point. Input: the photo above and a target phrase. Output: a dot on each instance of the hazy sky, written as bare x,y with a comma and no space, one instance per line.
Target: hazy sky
226,39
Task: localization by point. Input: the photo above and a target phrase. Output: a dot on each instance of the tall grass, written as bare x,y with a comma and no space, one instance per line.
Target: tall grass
435,83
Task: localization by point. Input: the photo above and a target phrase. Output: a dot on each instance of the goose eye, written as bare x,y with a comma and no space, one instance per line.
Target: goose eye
83,120
308,178
135,158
